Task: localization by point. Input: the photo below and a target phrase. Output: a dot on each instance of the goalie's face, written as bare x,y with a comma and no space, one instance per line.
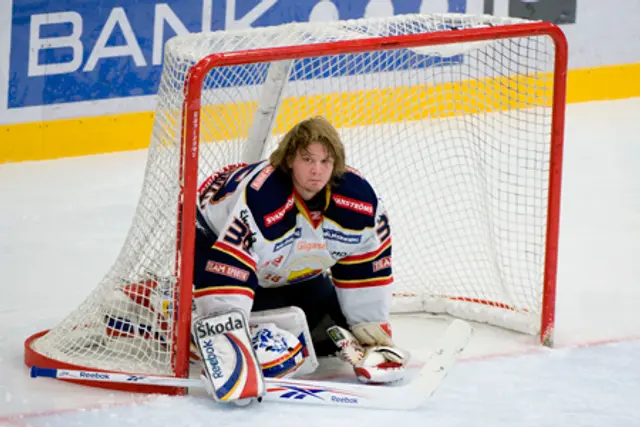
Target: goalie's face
311,169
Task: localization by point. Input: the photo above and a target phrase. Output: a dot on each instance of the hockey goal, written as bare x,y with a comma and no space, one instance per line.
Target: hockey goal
457,120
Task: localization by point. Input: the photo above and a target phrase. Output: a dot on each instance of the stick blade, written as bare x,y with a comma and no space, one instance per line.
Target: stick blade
401,397
450,345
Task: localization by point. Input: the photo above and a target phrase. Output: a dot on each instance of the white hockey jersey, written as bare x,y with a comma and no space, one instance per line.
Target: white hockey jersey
260,232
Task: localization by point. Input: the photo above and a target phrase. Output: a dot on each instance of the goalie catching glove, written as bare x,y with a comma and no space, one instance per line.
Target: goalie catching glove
368,347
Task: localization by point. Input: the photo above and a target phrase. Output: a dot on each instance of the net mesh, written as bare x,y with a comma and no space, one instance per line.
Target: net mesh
455,139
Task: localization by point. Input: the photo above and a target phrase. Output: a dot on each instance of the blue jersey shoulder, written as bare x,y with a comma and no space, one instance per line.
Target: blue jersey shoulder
269,196
353,202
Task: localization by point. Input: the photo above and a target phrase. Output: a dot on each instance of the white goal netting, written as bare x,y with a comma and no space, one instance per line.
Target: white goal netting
455,138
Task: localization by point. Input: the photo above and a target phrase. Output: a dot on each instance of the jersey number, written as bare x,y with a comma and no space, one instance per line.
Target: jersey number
383,230
238,234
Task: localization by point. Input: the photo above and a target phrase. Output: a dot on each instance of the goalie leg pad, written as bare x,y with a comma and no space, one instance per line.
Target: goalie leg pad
279,352
293,320
230,364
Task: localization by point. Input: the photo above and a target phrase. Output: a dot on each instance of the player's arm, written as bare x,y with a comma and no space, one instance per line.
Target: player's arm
364,285
363,279
225,272
225,262
225,281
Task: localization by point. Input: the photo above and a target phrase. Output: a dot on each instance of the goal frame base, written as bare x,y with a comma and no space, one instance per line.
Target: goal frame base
33,358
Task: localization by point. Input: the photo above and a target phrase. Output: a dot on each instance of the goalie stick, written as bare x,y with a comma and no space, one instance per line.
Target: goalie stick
408,396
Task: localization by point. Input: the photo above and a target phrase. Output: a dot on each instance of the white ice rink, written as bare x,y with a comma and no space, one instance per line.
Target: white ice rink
63,222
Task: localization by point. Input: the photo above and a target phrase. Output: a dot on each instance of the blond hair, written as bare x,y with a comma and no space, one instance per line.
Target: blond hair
299,137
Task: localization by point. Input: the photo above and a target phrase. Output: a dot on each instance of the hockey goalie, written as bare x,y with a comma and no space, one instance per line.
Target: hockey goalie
300,230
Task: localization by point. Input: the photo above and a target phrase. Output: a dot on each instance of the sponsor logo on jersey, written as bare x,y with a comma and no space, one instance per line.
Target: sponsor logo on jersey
306,246
341,237
261,178
277,215
302,275
338,255
353,205
287,240
275,262
227,270
382,263
206,329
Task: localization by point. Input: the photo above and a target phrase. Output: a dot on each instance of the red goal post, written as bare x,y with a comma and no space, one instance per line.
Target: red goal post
191,133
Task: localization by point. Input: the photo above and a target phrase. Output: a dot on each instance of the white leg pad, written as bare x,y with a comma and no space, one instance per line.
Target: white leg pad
230,364
291,319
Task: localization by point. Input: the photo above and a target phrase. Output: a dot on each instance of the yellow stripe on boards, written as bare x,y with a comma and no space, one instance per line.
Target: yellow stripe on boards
75,137
604,83
132,131
391,105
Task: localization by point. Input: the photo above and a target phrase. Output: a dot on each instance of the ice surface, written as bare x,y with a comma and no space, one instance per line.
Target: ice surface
63,222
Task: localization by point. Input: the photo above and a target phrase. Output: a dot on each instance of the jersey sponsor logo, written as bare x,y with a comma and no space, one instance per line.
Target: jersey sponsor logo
353,205
261,178
208,329
341,237
302,275
382,263
277,215
227,270
275,262
306,246
288,240
338,255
